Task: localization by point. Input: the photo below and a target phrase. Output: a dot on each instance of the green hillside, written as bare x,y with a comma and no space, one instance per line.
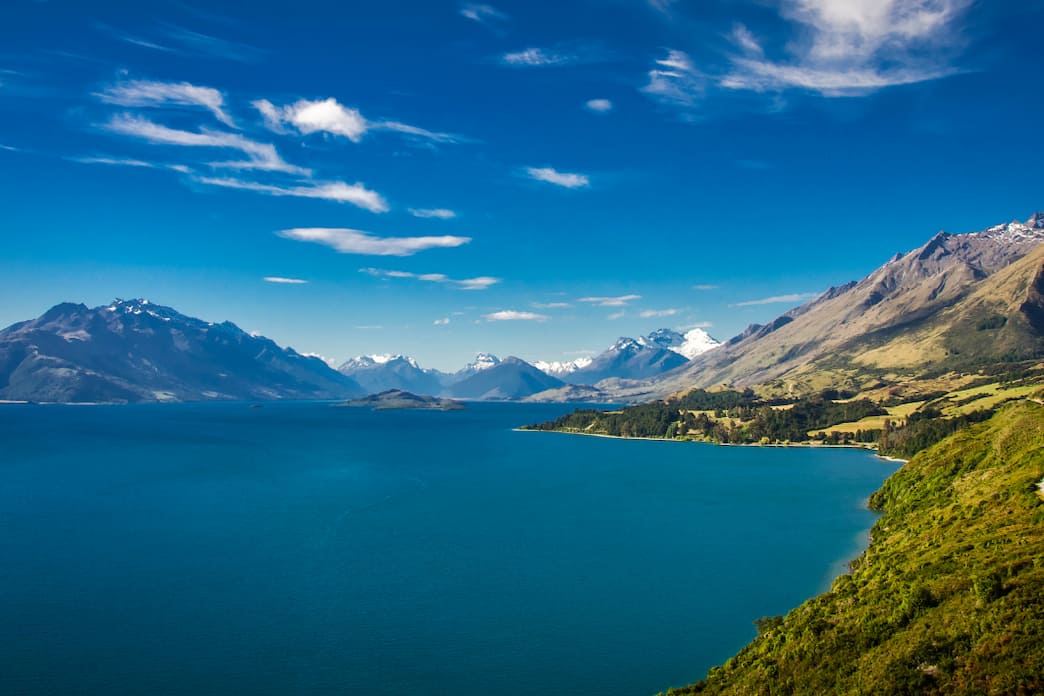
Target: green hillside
949,597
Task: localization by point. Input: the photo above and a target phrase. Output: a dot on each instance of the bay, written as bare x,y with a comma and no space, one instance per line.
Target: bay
302,548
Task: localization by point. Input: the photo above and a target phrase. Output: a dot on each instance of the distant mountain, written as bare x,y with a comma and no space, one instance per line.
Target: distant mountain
483,361
505,380
628,358
634,358
689,344
562,370
378,373
957,302
134,350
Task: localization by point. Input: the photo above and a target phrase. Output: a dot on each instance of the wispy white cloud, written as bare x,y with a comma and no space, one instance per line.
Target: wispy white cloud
483,14
130,162
567,53
279,280
551,305
617,315
537,57
261,156
10,148
437,213
852,47
212,46
348,241
778,299
369,327
650,313
553,176
356,194
514,315
674,80
618,301
600,106
330,116
479,283
441,322
148,93
704,286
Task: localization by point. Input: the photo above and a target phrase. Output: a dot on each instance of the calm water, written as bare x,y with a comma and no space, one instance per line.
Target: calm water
300,548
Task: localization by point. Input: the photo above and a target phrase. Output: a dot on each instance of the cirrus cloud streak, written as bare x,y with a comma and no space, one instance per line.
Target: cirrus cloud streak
349,241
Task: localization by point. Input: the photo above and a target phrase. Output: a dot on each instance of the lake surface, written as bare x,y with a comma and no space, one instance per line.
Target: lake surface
306,549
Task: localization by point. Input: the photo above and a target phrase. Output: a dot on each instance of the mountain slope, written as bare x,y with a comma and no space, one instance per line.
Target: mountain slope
955,301
138,351
379,373
509,379
948,598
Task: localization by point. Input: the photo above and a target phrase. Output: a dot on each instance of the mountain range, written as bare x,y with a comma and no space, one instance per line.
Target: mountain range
133,350
955,303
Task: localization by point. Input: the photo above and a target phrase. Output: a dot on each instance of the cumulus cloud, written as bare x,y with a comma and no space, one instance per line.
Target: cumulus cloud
438,213
553,176
513,315
348,241
619,301
356,194
852,47
329,116
778,299
600,106
479,283
147,93
279,280
261,156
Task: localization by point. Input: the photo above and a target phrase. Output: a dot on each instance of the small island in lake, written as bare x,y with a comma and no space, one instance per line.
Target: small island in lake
399,399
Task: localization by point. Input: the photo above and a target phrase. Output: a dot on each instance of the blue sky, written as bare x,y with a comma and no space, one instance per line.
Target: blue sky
529,178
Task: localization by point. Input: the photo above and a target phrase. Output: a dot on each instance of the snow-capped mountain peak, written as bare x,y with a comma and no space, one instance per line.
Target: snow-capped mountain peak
483,361
625,344
369,361
696,341
1016,231
689,344
559,368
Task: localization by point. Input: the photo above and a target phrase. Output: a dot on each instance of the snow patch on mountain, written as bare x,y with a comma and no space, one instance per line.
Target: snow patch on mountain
1016,231
368,361
558,368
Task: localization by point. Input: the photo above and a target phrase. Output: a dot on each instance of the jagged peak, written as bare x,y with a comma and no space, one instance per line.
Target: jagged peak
483,361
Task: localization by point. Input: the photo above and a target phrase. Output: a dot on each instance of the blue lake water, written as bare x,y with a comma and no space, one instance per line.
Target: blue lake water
306,549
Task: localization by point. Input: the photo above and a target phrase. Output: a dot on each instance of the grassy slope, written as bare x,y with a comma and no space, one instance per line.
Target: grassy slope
948,599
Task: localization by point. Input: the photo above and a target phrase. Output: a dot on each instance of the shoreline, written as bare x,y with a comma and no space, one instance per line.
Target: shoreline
800,445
